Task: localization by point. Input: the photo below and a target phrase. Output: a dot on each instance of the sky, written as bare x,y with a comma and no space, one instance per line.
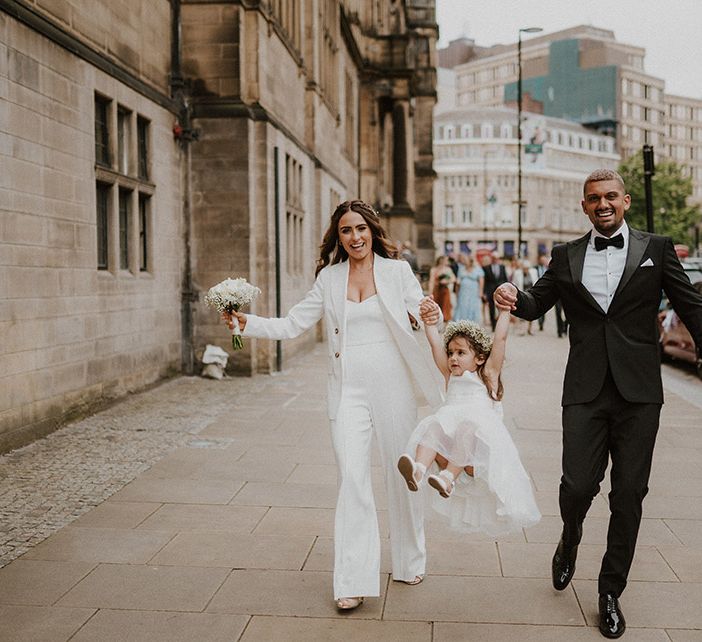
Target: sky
670,31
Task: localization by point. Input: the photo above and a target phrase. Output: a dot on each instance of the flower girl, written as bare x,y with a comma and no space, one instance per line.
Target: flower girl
467,435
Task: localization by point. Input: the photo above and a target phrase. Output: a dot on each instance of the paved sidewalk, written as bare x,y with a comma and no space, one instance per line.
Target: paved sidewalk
224,532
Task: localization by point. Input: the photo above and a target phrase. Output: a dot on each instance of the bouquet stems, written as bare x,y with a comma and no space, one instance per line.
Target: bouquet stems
237,341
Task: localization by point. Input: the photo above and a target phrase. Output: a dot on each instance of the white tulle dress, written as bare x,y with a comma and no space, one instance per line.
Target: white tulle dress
469,430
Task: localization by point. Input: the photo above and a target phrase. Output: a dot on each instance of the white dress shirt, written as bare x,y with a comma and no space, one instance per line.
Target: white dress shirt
602,270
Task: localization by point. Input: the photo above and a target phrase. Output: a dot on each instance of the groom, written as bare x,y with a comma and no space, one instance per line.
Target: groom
610,283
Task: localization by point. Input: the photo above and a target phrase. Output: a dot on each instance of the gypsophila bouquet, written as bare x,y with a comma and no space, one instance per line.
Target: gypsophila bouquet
229,296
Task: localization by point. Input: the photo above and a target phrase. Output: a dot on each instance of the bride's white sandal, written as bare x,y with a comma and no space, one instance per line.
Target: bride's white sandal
418,579
411,471
348,603
443,482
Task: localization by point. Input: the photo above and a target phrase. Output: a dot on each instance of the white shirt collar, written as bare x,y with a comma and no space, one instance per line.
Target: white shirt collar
623,230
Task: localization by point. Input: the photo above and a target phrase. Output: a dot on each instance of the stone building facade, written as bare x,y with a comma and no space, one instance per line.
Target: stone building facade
475,196
586,75
153,149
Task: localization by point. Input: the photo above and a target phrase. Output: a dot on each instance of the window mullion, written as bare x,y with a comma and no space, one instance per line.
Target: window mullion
112,134
113,229
134,232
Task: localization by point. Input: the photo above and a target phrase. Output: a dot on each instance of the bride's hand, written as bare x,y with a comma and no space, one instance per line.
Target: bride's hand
228,318
429,311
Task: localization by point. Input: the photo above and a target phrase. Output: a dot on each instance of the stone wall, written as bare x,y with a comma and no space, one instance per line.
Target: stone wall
72,336
133,33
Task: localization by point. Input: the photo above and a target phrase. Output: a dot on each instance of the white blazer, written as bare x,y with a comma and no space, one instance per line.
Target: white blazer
398,293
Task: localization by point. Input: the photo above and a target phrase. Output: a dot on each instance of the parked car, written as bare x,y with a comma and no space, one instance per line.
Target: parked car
676,341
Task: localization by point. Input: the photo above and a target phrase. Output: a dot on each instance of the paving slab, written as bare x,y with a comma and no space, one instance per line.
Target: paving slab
32,582
685,561
287,494
114,545
534,560
202,517
288,593
235,550
653,532
148,626
684,635
321,557
482,599
179,491
687,531
152,588
41,623
451,632
668,605
117,515
302,629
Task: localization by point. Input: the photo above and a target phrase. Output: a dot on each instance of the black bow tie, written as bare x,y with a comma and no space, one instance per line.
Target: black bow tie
602,242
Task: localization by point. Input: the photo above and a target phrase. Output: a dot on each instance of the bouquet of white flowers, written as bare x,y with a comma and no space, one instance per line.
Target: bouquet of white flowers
229,296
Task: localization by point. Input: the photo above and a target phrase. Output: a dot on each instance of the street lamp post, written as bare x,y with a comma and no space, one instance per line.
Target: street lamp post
520,203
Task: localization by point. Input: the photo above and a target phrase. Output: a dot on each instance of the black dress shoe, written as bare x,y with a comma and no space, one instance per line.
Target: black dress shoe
563,565
612,624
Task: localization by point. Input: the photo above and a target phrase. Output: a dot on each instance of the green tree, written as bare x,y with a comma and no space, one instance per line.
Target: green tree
672,216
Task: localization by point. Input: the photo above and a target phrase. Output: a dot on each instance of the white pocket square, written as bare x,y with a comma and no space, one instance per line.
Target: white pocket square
647,263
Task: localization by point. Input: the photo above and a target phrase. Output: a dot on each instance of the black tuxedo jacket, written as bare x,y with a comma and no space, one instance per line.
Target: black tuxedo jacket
491,281
625,338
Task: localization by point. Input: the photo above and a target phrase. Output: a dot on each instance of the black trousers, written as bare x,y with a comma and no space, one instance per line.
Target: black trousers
608,426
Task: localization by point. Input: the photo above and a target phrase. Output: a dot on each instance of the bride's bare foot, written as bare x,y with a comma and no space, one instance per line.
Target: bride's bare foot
348,603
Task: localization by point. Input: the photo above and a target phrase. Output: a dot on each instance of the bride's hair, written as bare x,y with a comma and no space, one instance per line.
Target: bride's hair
331,251
481,344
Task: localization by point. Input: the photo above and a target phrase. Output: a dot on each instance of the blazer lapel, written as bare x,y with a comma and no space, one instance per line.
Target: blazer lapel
339,289
638,243
576,260
383,288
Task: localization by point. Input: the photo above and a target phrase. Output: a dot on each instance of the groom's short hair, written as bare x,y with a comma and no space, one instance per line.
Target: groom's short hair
603,175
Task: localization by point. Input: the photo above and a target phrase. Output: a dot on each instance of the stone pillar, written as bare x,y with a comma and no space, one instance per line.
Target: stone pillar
399,157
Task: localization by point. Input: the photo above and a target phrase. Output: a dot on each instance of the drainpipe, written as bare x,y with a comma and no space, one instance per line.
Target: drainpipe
185,135
276,213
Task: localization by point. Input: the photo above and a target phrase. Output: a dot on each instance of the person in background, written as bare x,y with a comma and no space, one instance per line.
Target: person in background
495,275
408,254
524,276
471,280
541,267
441,280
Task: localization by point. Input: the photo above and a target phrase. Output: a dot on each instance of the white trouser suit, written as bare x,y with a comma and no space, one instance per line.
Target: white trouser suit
376,396
371,352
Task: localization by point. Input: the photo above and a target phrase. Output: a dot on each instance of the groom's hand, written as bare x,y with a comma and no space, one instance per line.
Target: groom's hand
506,296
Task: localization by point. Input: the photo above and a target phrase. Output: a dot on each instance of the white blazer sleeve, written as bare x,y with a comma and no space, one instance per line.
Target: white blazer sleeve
301,317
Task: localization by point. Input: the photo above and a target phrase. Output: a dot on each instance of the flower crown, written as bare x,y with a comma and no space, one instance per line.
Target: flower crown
471,330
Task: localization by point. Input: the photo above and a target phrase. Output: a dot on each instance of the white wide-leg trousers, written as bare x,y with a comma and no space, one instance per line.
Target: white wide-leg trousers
378,397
